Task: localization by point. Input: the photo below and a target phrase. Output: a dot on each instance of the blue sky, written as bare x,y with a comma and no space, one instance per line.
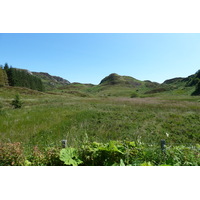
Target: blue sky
89,57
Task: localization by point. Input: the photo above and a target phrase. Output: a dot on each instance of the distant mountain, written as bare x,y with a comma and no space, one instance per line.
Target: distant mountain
51,82
111,85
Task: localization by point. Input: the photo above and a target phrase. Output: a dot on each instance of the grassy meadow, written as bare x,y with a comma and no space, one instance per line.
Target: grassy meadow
47,118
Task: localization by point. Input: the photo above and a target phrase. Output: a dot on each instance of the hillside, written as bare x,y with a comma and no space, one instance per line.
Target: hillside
112,85
189,85
124,86
115,85
51,82
18,77
115,79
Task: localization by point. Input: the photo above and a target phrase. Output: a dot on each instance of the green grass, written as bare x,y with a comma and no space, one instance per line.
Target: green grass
46,119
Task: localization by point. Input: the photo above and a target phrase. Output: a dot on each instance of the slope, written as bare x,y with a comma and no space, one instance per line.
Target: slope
51,82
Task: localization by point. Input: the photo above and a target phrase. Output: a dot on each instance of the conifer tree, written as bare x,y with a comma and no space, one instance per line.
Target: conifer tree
17,103
6,66
21,78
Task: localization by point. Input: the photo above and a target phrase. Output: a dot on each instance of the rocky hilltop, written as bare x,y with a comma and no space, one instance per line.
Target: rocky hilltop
51,82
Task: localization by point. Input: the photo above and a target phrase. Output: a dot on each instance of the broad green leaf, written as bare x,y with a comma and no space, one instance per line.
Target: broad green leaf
70,156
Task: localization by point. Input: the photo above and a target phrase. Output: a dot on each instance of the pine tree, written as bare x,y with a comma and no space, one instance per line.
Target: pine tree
17,103
6,67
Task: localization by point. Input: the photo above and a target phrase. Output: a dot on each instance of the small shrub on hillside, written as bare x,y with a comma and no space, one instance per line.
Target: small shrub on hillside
134,95
11,154
17,103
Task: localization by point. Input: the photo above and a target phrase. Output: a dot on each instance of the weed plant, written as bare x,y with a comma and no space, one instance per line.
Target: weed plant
113,153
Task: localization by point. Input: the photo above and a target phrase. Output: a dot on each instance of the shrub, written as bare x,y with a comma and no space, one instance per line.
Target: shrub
134,95
17,103
114,153
11,154
47,157
53,156
183,156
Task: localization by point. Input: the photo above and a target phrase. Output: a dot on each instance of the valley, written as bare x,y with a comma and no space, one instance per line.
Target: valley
120,109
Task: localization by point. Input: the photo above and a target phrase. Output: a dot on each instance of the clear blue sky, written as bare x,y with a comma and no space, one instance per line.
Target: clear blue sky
89,57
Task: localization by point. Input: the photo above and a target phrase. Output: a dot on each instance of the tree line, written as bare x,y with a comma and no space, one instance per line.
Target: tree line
19,78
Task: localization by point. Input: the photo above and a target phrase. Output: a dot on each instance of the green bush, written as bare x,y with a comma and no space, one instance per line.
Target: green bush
113,153
17,103
183,156
130,153
134,95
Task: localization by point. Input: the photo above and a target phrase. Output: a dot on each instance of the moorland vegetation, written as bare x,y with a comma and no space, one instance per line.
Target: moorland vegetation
119,122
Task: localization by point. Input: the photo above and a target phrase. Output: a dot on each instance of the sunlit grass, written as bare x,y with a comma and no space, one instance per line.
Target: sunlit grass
46,119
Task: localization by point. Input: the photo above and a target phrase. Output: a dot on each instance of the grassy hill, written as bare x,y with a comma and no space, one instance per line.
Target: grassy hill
186,86
115,85
51,82
115,79
123,86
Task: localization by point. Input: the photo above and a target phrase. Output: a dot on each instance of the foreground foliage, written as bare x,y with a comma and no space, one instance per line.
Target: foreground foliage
113,153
